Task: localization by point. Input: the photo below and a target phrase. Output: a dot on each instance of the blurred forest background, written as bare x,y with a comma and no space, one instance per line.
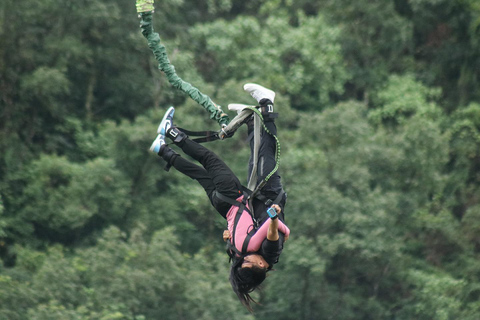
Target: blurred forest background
379,123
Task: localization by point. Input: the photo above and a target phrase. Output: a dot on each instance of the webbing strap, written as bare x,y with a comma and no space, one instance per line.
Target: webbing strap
260,185
247,240
206,136
252,180
232,250
235,123
268,202
198,133
241,205
226,199
235,223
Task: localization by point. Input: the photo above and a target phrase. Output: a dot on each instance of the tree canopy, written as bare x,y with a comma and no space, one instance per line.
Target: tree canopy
379,125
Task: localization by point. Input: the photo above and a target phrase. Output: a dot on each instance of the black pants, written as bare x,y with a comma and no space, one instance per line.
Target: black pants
215,175
266,160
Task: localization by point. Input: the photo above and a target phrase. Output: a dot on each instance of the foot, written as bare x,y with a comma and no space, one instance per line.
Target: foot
162,130
157,143
237,107
167,121
259,93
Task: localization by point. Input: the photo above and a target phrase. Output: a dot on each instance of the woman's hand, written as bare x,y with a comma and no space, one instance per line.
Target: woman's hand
277,208
226,235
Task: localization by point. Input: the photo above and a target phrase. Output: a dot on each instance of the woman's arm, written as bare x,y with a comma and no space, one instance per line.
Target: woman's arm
272,233
263,233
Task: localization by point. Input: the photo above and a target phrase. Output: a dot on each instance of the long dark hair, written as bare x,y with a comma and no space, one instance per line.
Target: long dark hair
245,280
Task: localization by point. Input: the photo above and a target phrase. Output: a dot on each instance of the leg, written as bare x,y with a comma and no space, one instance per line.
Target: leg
215,174
222,176
195,172
266,159
266,153
188,168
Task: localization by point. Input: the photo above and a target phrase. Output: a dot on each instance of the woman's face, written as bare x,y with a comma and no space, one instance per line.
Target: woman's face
254,260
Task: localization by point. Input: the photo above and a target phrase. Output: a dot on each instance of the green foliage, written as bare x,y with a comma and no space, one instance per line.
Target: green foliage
471,226
447,45
295,60
60,197
436,296
379,125
125,278
46,86
404,97
376,42
2,221
464,138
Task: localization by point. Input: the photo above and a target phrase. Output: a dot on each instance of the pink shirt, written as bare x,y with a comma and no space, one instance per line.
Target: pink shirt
245,225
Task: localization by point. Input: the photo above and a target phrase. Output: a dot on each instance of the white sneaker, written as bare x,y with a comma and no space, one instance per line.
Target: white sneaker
165,124
258,92
237,107
157,143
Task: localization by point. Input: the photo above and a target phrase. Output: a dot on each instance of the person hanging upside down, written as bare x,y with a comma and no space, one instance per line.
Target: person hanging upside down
254,237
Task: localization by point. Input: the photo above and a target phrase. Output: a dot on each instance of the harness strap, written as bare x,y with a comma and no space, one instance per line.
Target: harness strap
206,136
237,121
228,200
247,240
235,223
268,202
241,205
252,180
198,133
231,244
232,249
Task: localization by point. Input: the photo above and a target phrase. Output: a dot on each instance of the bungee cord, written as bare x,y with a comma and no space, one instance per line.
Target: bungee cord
145,10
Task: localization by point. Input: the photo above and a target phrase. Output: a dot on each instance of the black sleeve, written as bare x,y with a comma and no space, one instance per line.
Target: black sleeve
271,250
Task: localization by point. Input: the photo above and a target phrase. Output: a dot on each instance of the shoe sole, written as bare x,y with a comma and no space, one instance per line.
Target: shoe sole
155,143
237,106
252,87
